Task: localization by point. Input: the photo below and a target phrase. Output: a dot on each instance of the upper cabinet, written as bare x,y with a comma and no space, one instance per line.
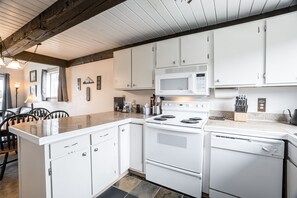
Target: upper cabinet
122,68
168,53
239,54
187,50
143,61
281,48
134,67
195,49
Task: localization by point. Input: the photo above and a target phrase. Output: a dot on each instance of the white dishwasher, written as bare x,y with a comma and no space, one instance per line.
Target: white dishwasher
246,167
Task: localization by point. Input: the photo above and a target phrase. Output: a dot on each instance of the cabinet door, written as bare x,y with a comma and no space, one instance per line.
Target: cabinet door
122,69
136,147
71,175
239,54
124,147
194,49
291,180
281,48
143,61
104,164
168,53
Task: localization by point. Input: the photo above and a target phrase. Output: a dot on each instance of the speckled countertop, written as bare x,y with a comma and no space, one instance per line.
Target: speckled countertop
46,131
267,129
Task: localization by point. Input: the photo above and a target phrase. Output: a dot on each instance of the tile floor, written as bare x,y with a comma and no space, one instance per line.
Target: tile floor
132,186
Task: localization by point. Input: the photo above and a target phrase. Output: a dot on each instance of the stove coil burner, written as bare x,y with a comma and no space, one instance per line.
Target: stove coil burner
167,116
189,121
160,119
195,118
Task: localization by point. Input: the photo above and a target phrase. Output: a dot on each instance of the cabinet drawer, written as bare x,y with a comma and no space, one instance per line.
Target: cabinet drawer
104,135
292,153
69,146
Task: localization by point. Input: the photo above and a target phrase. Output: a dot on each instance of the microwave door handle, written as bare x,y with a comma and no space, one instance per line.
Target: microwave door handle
192,84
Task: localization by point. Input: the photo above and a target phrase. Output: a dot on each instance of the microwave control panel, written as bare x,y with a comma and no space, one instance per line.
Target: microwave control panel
201,83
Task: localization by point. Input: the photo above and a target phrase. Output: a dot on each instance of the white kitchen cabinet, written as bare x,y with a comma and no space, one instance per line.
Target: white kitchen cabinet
168,53
136,147
239,54
143,61
122,68
281,48
124,147
71,175
291,180
104,159
292,171
195,49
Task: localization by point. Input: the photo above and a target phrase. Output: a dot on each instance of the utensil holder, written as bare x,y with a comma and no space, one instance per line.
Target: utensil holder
240,117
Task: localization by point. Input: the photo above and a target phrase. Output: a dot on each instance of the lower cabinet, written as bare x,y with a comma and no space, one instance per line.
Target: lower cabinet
136,147
104,160
124,147
70,175
291,180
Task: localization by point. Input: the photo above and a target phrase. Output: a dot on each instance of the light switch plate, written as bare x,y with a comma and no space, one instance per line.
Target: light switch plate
261,104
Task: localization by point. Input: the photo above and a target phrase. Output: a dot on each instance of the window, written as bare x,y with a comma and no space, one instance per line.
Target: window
52,83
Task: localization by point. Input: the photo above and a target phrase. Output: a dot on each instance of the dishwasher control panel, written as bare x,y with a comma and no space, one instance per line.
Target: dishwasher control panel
248,144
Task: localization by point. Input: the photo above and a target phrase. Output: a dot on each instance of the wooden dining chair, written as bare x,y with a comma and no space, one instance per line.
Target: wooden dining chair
6,114
56,114
39,112
8,141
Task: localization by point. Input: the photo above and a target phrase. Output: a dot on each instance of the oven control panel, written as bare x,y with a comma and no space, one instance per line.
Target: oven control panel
186,106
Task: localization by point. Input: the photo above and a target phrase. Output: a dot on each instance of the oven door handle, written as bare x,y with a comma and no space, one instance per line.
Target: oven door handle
198,175
173,128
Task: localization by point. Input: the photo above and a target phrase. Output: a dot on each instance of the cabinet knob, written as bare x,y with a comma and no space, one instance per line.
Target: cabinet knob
217,80
173,62
128,85
84,154
96,149
123,130
184,61
134,85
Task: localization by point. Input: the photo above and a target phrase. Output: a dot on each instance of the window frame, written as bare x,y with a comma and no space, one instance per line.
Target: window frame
49,83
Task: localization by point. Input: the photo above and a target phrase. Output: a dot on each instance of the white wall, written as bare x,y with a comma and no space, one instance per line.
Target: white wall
278,98
101,100
15,76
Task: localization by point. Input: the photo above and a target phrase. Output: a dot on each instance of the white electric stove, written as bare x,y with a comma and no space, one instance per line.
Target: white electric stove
192,114
174,146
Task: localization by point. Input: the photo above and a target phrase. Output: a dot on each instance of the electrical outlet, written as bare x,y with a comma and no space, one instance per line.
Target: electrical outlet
261,104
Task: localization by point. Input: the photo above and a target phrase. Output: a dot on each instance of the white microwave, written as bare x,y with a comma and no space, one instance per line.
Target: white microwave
182,81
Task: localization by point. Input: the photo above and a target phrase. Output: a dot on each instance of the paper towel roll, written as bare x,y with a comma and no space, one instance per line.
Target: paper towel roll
226,93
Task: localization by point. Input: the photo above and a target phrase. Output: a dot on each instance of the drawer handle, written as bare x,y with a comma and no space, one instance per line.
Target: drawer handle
84,154
104,135
71,145
123,130
96,149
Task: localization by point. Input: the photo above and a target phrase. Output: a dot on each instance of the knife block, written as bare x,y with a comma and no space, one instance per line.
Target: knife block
240,117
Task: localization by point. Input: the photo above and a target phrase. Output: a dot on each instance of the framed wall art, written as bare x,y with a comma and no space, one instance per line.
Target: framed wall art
98,82
33,76
33,90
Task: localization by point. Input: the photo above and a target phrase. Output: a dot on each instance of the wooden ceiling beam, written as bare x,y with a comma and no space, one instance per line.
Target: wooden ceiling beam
57,18
38,58
109,53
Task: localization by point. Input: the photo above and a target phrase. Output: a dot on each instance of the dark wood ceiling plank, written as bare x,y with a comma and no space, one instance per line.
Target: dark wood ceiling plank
109,53
59,17
38,58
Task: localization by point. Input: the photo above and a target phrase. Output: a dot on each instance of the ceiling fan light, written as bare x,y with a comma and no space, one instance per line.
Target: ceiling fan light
2,62
14,64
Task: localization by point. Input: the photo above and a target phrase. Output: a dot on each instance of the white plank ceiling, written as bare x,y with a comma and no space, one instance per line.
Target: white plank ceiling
14,14
138,20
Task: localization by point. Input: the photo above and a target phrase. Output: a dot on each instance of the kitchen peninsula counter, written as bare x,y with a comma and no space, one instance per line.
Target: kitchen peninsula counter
48,131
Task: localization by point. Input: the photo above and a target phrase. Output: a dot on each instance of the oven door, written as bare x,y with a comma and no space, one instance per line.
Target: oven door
175,84
180,147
